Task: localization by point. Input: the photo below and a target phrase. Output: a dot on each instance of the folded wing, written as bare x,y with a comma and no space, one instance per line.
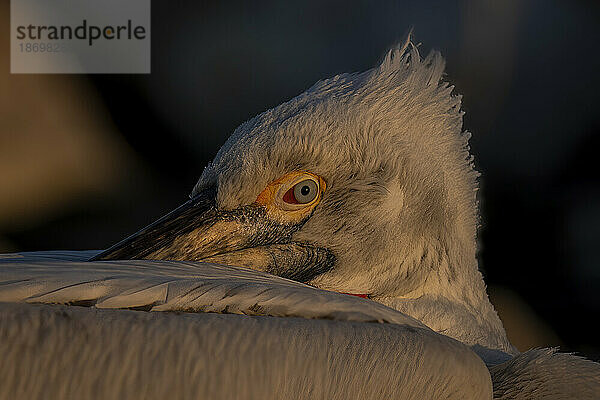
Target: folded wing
329,345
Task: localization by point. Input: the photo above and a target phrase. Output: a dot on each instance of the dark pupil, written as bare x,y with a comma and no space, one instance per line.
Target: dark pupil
305,190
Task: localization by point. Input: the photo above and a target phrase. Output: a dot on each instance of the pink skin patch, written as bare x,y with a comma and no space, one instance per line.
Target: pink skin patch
364,296
289,197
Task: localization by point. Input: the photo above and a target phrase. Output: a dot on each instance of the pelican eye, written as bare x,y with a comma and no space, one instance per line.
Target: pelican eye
302,193
293,197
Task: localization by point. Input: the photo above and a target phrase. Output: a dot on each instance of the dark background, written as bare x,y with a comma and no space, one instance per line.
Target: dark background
86,160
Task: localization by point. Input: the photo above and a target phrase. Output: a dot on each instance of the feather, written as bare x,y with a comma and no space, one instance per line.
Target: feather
58,352
177,286
345,347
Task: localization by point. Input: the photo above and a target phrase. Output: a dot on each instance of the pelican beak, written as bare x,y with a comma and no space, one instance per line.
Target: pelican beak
243,237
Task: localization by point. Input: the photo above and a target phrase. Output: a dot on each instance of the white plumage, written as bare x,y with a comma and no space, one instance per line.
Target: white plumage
395,219
50,352
67,277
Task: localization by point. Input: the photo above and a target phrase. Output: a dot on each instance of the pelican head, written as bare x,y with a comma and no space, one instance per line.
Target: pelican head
362,184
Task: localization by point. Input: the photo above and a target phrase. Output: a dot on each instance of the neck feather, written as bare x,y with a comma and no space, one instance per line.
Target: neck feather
458,308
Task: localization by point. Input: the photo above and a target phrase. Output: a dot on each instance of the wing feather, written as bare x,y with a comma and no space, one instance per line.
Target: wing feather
102,351
65,278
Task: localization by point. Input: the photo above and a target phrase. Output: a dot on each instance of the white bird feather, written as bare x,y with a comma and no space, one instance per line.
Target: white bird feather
66,278
329,345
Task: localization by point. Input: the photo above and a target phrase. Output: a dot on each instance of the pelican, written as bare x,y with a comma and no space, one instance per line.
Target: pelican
327,251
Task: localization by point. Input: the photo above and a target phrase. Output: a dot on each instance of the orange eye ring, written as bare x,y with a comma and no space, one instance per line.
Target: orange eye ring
293,196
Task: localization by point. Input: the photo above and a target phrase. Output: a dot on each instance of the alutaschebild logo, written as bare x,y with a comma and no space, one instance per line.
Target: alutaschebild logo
84,31
83,36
